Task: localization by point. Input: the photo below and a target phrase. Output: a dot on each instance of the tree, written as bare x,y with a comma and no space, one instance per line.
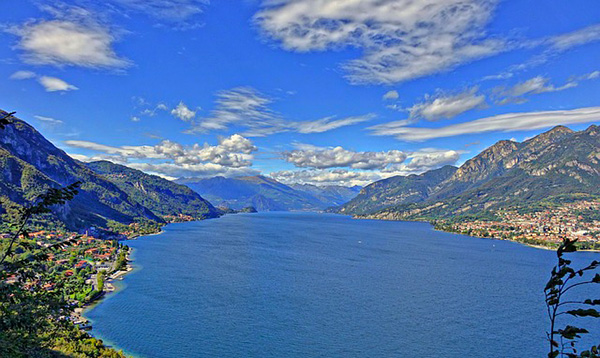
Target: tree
30,314
563,279
34,304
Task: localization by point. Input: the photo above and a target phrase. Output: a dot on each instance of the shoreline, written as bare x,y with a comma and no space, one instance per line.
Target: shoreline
109,288
535,246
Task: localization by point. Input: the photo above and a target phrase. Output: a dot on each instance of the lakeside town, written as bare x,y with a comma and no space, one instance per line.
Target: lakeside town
545,227
84,269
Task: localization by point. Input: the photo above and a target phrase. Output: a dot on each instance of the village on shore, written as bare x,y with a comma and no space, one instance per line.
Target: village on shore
92,264
546,227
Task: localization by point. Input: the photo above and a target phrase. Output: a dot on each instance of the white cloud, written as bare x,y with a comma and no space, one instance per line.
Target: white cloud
446,106
48,120
554,45
201,170
592,75
576,38
151,112
400,39
135,119
391,95
22,75
535,85
240,106
419,161
321,158
172,10
248,108
183,112
426,159
500,123
326,177
53,84
68,42
233,152
327,124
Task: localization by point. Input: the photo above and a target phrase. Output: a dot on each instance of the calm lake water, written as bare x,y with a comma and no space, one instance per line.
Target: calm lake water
322,285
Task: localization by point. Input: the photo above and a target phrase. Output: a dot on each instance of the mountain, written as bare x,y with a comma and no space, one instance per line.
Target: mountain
30,164
396,190
558,165
161,196
329,195
266,194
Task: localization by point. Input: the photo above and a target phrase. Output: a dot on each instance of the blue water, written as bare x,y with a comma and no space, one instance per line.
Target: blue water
321,285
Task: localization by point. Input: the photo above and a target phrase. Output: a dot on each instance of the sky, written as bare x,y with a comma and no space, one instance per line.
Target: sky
320,92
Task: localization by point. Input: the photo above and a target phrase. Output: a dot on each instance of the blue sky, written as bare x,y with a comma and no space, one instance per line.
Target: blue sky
310,91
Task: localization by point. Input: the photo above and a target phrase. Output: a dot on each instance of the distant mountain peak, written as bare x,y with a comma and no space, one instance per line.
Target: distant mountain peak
592,130
558,163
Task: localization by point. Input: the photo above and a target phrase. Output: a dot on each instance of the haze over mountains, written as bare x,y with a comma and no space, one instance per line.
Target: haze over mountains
267,194
559,164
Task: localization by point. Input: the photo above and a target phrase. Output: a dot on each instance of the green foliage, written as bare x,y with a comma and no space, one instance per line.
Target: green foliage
139,227
551,169
121,262
75,343
563,279
161,196
34,302
397,190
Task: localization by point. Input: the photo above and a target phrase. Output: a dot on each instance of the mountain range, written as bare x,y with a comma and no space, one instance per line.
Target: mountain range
267,194
30,164
558,165
114,193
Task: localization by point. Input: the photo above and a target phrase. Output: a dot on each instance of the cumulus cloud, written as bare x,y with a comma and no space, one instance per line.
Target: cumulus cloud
326,177
53,84
203,170
182,112
501,123
446,106
50,84
249,109
391,95
400,39
22,75
70,40
232,154
426,159
320,158
418,162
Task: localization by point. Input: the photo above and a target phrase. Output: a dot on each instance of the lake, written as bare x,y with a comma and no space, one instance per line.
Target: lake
324,285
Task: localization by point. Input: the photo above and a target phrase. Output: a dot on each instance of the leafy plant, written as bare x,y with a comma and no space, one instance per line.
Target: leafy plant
563,279
35,303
